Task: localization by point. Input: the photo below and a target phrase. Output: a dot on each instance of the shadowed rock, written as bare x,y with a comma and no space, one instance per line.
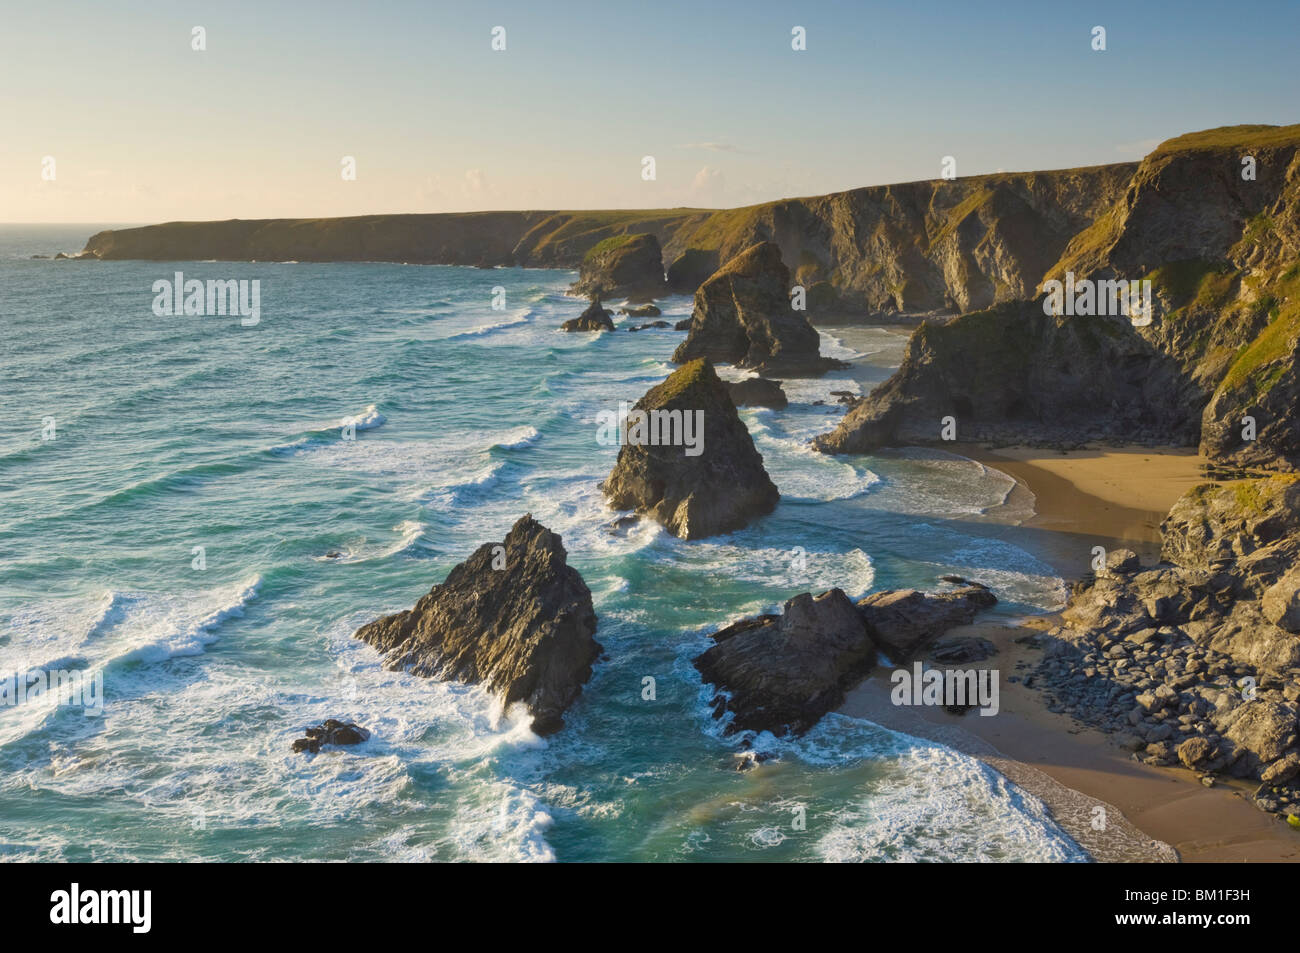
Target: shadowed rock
717,485
331,732
623,266
515,618
782,673
743,316
595,318
904,621
757,392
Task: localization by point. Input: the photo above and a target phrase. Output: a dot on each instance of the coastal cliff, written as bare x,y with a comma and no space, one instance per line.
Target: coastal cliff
939,244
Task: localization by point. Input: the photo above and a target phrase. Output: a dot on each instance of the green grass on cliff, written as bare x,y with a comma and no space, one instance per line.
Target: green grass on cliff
1225,138
1202,283
1259,363
611,243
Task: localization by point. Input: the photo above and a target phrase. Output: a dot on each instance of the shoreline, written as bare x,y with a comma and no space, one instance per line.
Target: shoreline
1152,814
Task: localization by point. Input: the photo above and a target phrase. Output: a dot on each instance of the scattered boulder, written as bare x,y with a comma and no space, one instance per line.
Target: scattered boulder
514,617
623,266
904,621
757,392
1193,751
331,732
595,318
743,316
690,463
781,673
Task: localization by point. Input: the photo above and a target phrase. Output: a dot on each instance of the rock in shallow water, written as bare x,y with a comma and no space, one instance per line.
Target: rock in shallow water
595,318
514,617
331,732
714,487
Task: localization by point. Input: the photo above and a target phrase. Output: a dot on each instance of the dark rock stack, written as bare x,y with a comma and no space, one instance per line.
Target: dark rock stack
623,266
331,732
515,618
595,318
719,490
743,316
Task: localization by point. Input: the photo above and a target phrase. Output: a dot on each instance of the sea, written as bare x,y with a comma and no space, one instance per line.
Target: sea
197,514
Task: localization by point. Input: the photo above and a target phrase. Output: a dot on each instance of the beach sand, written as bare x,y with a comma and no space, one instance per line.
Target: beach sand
1082,498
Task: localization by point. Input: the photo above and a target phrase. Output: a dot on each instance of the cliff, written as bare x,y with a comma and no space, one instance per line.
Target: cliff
1221,253
919,246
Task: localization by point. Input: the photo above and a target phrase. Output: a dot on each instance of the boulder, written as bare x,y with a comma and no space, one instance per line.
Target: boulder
623,266
649,325
595,318
757,392
514,617
743,316
904,621
690,463
781,673
643,311
331,732
1281,602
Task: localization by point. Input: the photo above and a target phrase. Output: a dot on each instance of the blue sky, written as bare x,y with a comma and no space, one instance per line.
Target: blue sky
144,128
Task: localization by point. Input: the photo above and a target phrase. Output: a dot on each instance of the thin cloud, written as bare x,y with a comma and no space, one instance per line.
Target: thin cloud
717,147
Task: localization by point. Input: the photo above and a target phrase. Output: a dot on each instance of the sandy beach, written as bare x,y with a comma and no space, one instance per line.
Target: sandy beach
1116,496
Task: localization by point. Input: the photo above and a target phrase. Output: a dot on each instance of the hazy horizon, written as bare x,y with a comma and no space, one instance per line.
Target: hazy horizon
137,125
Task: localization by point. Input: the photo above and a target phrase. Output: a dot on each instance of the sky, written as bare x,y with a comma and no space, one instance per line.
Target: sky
109,114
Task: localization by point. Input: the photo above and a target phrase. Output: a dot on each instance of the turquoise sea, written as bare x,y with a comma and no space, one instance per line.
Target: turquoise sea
172,433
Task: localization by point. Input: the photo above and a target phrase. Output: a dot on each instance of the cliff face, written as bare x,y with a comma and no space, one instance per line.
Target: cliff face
920,246
1220,252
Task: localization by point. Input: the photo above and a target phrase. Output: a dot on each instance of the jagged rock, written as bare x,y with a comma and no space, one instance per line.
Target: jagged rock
644,311
1281,602
623,266
1263,727
743,316
904,621
719,488
331,732
652,324
683,325
757,392
782,673
515,618
595,318
1122,561
1193,751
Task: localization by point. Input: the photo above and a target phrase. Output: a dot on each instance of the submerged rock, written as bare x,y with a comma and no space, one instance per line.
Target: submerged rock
743,316
757,392
650,325
331,732
623,266
692,465
644,311
782,673
514,617
595,318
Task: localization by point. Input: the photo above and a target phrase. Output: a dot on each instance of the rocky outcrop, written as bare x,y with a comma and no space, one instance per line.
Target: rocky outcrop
782,673
1217,362
1016,375
623,266
514,617
902,622
331,732
595,318
641,311
1186,661
743,316
757,392
687,459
